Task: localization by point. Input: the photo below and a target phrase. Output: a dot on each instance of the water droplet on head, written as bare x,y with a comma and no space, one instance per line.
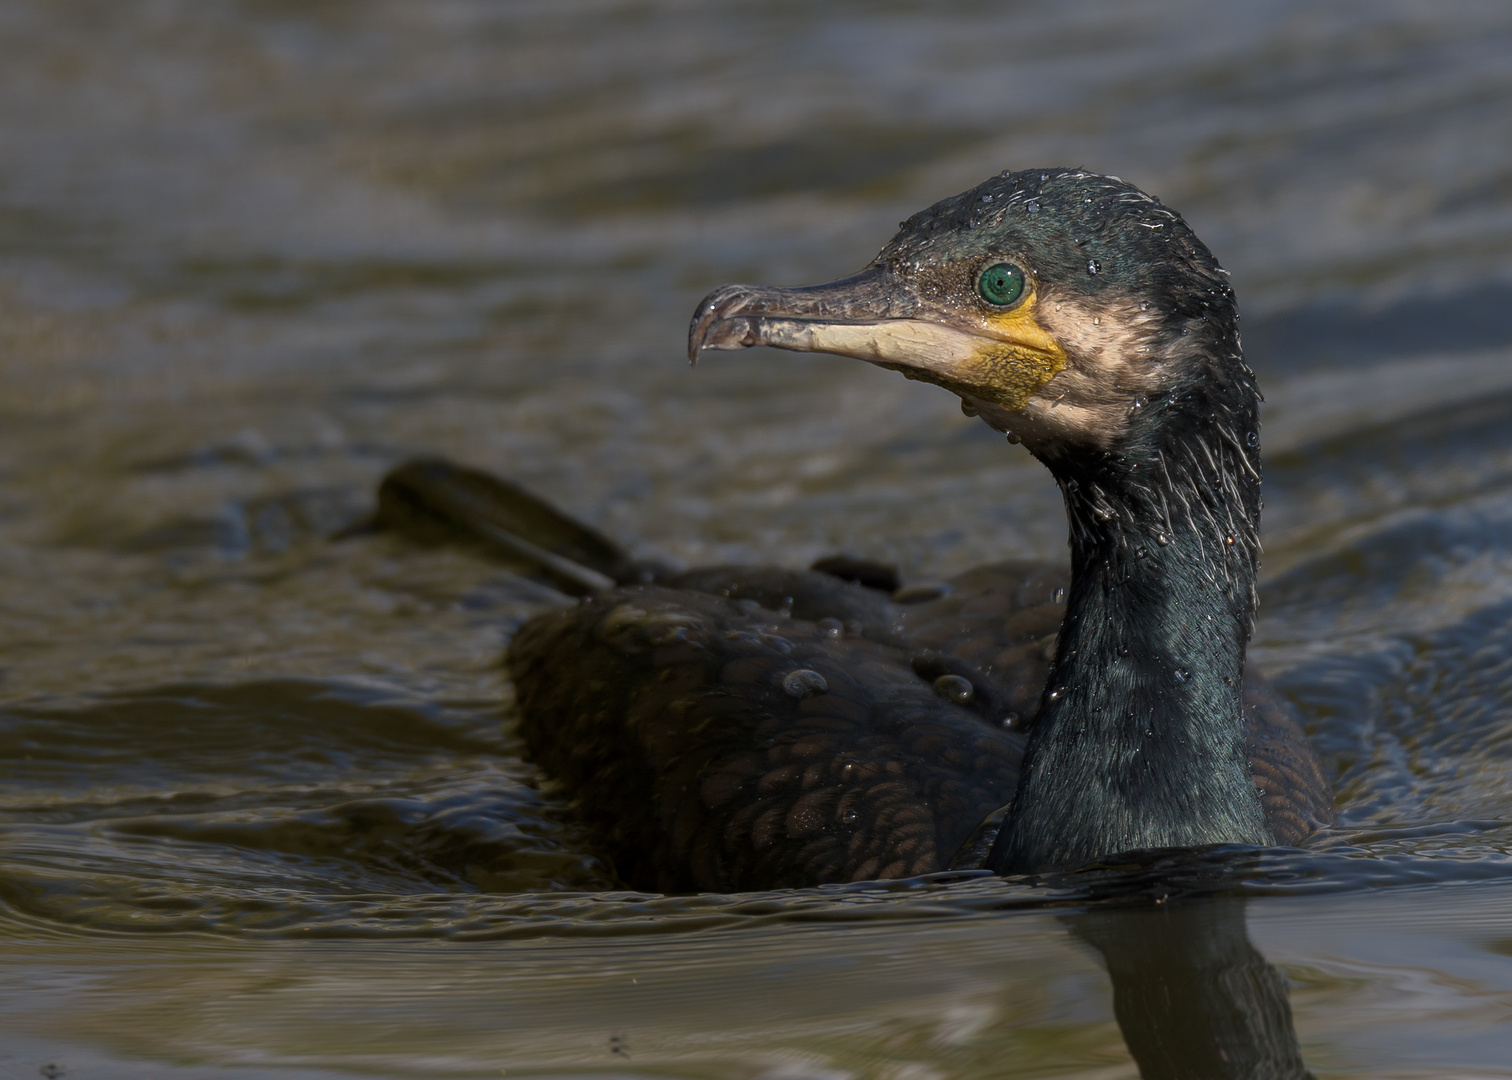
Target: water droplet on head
804,682
1252,438
986,198
1094,266
1032,206
1012,438
1139,553
1056,693
1144,305
1229,540
1162,539
955,688
849,817
832,628
1181,674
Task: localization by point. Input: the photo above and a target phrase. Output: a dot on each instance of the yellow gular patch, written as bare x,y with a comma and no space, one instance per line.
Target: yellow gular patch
1009,372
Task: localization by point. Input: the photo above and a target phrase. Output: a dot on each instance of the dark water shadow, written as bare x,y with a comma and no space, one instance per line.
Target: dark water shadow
1350,335
1194,999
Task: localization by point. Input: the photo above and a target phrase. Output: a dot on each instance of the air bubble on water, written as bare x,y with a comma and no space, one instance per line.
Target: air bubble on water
804,682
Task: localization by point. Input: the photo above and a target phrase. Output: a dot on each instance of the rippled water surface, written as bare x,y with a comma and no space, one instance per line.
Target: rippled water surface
263,810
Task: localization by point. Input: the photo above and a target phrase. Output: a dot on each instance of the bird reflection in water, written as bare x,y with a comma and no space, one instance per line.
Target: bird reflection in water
1194,998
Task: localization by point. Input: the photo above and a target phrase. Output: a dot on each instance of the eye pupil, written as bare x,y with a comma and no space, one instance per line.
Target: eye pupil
1001,284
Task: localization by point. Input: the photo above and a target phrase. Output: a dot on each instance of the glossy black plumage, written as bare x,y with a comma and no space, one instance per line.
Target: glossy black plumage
662,710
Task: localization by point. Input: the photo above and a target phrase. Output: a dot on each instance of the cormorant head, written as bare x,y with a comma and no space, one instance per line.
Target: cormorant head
1056,303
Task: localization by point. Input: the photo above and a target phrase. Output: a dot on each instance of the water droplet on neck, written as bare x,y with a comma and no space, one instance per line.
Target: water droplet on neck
1032,206
1162,539
1144,305
1181,674
1094,266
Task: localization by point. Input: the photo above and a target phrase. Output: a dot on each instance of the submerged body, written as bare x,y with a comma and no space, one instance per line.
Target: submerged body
707,758
741,730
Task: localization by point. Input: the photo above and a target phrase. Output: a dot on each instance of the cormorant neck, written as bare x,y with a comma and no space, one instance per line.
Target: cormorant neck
1138,743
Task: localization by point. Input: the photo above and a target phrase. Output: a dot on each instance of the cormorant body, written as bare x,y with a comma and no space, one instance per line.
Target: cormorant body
731,729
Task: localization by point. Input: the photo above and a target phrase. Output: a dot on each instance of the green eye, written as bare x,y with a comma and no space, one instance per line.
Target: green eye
1001,284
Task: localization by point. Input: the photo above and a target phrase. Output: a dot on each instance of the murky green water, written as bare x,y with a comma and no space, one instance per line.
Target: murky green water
262,809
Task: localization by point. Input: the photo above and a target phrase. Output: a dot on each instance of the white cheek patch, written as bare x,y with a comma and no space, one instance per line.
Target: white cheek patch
1111,363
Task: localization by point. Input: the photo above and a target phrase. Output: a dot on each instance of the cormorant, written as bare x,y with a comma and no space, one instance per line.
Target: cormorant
731,729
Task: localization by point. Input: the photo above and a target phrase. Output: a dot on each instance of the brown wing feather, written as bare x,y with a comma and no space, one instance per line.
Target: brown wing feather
664,711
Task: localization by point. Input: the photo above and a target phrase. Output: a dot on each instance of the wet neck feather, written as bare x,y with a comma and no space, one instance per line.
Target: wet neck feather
1139,740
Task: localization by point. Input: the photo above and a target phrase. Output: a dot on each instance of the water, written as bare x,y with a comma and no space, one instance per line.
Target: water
263,810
